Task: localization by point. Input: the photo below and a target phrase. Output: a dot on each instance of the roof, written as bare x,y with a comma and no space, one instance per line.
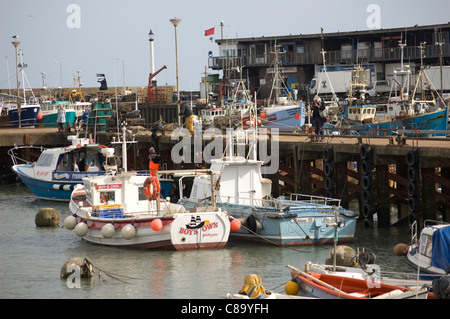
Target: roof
339,34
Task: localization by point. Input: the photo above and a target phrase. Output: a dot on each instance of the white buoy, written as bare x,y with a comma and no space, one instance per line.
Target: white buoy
81,229
70,222
108,230
128,232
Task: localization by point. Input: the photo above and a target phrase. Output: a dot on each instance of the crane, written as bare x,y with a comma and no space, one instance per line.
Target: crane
150,97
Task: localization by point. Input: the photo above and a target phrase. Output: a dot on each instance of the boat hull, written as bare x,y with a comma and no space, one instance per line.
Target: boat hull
212,232
58,188
285,118
50,119
437,121
326,286
28,115
290,228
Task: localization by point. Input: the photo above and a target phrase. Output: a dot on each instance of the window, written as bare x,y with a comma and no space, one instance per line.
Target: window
45,160
300,49
426,245
141,194
107,197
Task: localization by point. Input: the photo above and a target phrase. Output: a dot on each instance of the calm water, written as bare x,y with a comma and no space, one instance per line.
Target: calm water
31,259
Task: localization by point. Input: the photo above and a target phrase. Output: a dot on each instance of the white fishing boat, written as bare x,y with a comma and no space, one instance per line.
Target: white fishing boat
284,113
241,190
126,210
429,255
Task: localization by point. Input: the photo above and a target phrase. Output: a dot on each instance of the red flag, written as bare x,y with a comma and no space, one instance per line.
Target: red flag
209,32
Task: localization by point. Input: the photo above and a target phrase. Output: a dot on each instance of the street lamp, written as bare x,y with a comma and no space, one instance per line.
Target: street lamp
60,73
16,43
123,73
151,38
176,22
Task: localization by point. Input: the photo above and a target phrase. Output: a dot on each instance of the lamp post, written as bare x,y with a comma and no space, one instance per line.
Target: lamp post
60,73
151,38
16,43
123,73
176,22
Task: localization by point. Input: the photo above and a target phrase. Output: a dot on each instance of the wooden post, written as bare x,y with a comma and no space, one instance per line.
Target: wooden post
382,195
428,206
342,183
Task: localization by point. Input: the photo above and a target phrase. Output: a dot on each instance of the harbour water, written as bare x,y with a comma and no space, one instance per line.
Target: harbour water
31,259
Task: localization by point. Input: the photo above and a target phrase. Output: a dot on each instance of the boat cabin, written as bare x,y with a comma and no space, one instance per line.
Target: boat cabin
361,113
240,182
208,115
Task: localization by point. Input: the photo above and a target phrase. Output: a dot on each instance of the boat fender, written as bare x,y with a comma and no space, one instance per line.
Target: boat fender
156,224
128,232
70,222
252,223
81,229
152,188
108,230
235,224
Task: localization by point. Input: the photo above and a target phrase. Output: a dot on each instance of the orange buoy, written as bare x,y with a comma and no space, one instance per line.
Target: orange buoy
235,224
156,224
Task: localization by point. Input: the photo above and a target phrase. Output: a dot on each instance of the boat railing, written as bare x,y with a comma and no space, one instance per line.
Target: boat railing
318,200
413,229
16,160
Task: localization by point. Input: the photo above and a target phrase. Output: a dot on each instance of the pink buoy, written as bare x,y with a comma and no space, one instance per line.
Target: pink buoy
235,224
157,225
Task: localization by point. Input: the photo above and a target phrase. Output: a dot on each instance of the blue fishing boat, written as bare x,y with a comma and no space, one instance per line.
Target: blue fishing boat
241,190
362,120
58,170
404,111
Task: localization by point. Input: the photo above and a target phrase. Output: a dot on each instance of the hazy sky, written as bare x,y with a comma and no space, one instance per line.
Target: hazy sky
89,35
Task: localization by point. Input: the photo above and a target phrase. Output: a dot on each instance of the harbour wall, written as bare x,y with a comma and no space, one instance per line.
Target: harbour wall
396,179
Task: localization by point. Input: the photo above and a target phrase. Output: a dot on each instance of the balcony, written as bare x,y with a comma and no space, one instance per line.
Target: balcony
385,55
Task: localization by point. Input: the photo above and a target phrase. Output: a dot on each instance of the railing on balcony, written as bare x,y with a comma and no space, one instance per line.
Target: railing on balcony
332,57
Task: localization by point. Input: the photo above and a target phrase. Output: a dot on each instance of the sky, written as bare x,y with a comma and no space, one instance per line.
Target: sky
90,35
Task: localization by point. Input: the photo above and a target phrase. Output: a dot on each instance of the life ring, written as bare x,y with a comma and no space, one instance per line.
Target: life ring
341,110
402,113
152,188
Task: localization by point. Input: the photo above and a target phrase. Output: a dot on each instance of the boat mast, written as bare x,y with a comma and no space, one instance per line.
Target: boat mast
324,70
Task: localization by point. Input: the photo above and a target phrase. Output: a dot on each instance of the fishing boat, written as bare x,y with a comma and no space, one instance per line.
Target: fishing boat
126,210
22,111
326,286
429,255
241,190
56,172
407,112
59,169
284,113
75,106
209,114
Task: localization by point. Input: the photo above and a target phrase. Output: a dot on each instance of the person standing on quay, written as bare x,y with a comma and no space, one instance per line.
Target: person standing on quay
318,120
61,118
186,111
